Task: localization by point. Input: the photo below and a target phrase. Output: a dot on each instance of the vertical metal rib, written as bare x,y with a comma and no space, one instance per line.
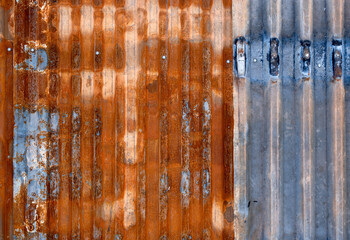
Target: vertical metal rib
217,174
72,16
240,24
320,69
228,123
53,158
120,123
186,176
63,65
306,99
87,86
152,122
206,121
37,138
174,76
131,134
336,120
108,206
275,168
163,119
141,116
98,169
6,126
307,154
195,95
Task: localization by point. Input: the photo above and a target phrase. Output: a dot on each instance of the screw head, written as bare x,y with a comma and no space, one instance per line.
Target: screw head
337,54
306,55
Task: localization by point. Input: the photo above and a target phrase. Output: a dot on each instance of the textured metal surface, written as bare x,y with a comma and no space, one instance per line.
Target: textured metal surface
174,119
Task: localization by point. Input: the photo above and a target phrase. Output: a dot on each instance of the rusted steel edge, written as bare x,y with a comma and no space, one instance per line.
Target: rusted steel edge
7,121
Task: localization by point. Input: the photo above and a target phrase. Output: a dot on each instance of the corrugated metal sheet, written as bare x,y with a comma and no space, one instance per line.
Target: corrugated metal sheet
174,119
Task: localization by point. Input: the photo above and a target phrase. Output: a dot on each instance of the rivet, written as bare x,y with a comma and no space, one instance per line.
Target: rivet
32,50
97,53
163,57
9,49
319,65
254,60
228,61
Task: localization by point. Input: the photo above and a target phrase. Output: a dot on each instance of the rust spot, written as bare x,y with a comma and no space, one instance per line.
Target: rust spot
206,25
74,2
185,25
163,23
53,52
98,2
142,26
184,3
119,57
229,214
42,82
53,21
76,85
227,3
119,3
76,52
54,85
152,87
206,4
163,3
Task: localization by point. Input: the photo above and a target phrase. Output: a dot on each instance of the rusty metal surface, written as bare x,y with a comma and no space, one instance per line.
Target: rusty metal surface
174,119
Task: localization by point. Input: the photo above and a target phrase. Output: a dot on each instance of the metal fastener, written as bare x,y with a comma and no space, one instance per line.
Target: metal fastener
306,57
274,57
240,56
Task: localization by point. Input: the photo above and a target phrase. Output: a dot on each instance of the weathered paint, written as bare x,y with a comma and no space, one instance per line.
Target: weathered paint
174,119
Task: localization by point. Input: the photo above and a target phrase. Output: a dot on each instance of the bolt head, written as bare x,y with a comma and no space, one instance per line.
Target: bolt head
337,54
